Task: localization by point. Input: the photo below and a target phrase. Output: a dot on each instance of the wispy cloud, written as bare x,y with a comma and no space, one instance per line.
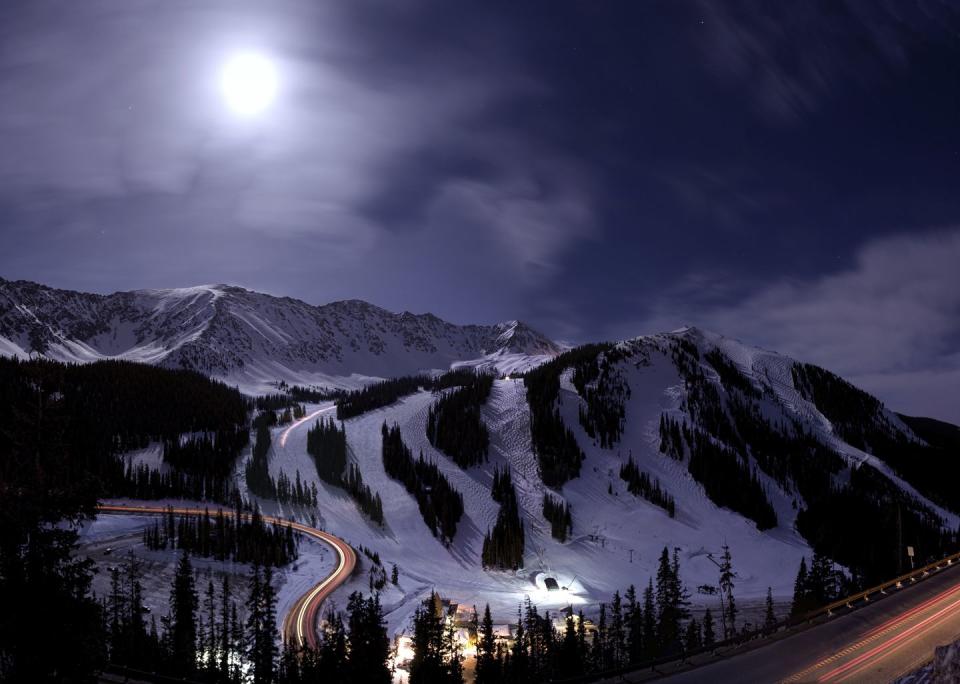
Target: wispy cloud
113,103
792,57
890,322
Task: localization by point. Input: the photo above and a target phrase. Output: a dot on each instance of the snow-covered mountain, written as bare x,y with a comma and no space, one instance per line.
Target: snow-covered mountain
250,338
827,489
762,452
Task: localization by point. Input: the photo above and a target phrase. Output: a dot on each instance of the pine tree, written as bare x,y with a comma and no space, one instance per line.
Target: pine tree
681,597
692,639
651,644
236,642
519,668
115,611
618,636
569,662
268,649
334,657
367,638
668,618
139,645
183,619
225,643
452,656
727,602
487,670
40,572
801,591
255,626
822,582
427,665
582,653
634,622
709,636
769,619
211,640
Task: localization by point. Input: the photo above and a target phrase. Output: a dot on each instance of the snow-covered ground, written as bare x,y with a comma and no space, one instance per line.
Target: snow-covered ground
617,537
596,561
122,534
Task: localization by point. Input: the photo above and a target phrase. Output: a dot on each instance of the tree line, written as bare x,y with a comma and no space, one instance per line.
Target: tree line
107,408
633,629
726,478
559,515
864,521
730,375
503,545
640,484
327,444
315,394
817,586
145,482
257,471
931,466
604,392
441,506
224,537
454,425
210,452
555,445
866,524
379,394
223,636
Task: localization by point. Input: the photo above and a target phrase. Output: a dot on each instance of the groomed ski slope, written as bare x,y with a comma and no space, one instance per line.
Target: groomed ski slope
609,522
596,561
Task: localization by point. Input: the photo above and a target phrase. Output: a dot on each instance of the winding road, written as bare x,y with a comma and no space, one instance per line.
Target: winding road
299,626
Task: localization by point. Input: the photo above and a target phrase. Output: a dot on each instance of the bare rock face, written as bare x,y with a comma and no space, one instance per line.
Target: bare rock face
946,664
943,669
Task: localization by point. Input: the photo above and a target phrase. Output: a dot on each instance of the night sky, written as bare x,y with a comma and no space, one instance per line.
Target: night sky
787,173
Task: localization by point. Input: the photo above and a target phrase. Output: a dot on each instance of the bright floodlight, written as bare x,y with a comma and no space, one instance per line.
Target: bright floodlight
248,83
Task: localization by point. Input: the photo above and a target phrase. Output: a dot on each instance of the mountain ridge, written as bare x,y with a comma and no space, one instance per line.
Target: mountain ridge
237,334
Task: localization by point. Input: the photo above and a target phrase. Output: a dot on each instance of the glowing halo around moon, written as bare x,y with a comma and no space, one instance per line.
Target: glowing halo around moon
248,83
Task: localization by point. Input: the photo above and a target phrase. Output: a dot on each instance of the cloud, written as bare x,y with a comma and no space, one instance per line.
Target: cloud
108,104
795,56
891,322
535,217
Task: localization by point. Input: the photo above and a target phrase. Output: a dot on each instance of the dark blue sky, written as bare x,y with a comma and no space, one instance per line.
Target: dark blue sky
785,173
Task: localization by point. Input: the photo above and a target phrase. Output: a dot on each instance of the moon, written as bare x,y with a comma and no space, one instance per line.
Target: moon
248,83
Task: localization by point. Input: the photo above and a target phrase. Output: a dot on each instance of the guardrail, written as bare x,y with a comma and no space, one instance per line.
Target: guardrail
819,614
895,583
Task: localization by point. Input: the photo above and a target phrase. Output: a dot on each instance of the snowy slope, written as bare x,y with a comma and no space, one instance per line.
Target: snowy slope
254,340
251,339
595,562
609,522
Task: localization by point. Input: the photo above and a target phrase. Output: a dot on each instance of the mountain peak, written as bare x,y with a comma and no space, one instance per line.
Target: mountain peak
245,336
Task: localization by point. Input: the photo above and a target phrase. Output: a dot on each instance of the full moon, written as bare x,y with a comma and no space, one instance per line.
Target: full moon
248,83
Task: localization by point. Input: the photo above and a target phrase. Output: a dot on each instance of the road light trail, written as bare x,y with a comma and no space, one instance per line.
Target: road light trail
298,423
299,626
894,643
878,642
877,649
